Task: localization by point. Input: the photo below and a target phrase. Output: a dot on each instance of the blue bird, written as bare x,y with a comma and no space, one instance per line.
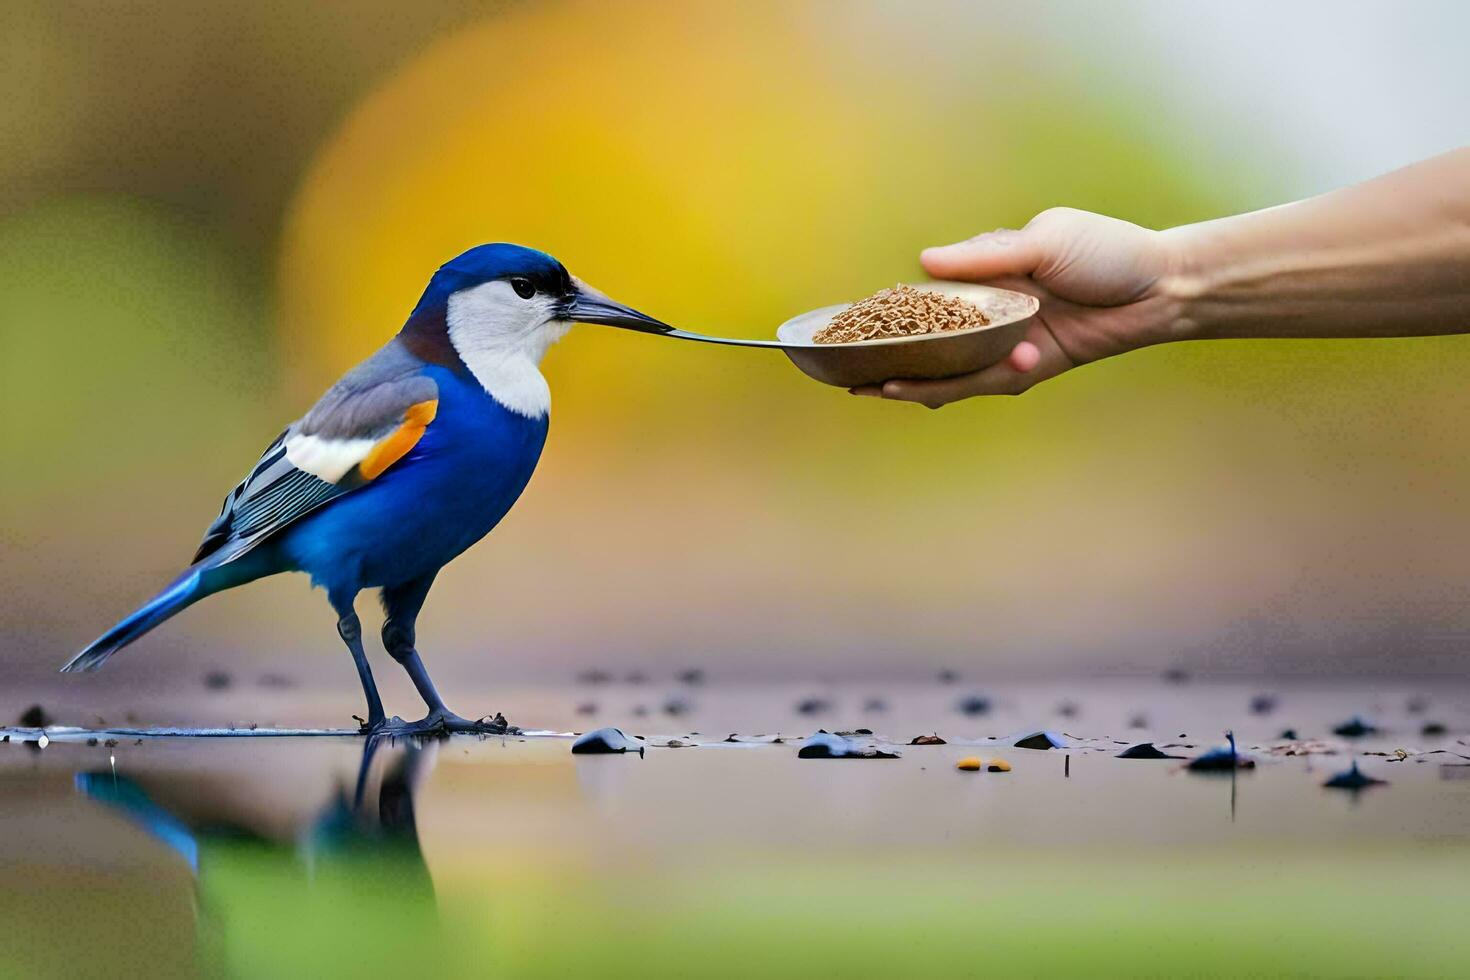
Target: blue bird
413,456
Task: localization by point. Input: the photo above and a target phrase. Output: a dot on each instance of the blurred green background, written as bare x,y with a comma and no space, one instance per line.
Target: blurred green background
208,211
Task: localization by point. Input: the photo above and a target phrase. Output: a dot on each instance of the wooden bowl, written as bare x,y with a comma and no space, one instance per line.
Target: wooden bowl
923,356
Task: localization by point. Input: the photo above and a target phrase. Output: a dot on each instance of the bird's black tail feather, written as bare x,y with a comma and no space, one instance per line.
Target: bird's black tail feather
182,592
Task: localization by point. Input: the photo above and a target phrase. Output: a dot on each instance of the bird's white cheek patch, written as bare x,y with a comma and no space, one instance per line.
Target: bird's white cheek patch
328,459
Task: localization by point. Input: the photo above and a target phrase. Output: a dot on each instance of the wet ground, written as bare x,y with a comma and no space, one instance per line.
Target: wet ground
305,855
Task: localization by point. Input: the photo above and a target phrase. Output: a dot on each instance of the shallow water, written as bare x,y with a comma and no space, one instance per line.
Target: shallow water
284,856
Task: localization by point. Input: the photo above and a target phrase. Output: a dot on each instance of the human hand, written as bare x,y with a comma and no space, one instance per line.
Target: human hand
1100,282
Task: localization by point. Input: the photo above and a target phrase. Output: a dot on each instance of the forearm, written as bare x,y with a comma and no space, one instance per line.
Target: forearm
1389,257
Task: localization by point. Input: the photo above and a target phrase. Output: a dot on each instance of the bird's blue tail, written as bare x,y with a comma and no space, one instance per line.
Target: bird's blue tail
185,590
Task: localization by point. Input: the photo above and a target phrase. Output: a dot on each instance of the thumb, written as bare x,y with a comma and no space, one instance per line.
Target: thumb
1004,252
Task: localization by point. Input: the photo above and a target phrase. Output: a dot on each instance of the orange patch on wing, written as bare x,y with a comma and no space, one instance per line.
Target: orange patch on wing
393,447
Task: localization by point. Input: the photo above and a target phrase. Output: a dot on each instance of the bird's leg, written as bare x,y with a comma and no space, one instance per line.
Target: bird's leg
349,627
398,639
402,604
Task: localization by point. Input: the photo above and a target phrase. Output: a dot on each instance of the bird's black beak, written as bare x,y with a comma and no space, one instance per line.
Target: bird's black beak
587,305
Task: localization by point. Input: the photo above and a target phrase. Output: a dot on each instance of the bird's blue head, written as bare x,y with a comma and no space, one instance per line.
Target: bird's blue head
497,308
514,290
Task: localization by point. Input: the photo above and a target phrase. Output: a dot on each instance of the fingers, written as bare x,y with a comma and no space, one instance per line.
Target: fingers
989,256
1024,357
1030,362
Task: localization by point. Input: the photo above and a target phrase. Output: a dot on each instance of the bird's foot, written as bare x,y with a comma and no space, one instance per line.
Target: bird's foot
441,723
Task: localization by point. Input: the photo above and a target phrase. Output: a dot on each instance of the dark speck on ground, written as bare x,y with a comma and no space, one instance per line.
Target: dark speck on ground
1355,727
973,704
694,676
875,705
1263,704
947,676
217,680
587,708
1433,729
813,706
1145,750
36,717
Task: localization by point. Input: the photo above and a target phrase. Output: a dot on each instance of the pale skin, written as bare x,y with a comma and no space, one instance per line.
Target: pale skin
1386,258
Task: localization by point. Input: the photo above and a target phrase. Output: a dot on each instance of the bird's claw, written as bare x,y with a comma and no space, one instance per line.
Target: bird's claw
440,724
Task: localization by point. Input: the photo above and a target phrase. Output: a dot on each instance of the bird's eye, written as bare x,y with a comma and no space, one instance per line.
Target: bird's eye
524,288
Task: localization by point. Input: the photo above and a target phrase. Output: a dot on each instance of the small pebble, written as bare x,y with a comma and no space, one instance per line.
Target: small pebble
1040,740
1352,778
1355,727
605,741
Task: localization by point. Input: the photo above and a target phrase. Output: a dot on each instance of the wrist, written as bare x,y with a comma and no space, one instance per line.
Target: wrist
1186,284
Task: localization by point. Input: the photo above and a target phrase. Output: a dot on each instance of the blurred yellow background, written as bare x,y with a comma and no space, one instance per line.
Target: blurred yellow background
208,213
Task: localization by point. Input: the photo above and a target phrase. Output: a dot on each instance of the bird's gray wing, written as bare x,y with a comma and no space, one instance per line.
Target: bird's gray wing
363,425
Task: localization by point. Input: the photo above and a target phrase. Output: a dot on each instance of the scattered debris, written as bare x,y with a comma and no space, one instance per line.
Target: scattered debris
973,704
1288,735
928,740
813,706
1353,778
1224,757
969,763
856,731
111,743
1263,704
693,676
825,745
1146,750
36,717
1176,675
218,680
1040,740
605,741
677,743
1355,727
92,740
1434,729
998,765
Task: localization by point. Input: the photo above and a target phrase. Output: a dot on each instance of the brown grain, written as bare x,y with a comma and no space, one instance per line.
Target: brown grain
902,311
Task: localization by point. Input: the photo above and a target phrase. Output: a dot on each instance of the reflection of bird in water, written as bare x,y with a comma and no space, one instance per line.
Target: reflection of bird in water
350,892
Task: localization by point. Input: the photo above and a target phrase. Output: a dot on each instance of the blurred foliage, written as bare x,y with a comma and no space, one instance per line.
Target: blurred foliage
210,213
